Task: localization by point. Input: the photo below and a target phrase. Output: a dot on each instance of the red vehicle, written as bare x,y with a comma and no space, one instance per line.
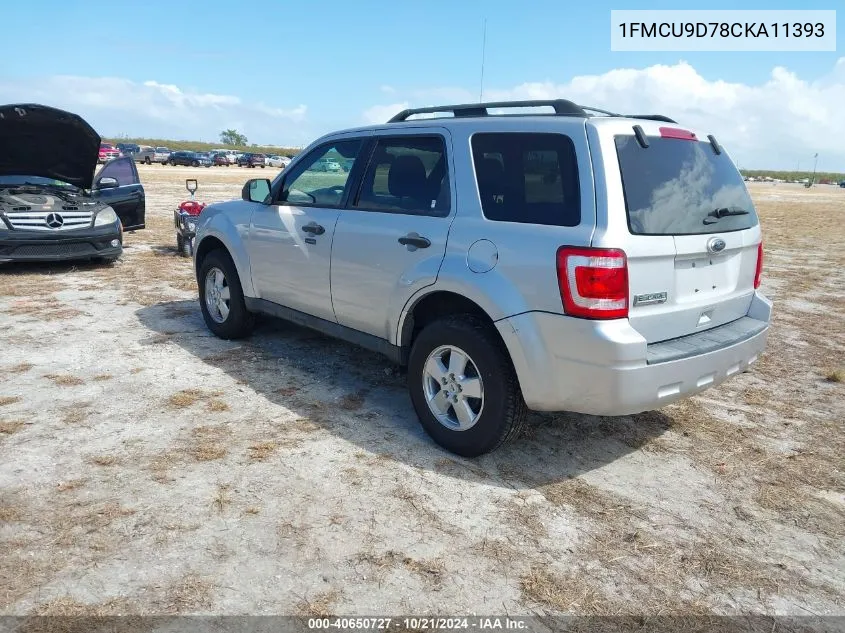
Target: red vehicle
219,160
107,152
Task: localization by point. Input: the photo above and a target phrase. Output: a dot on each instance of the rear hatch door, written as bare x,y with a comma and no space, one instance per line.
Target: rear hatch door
692,230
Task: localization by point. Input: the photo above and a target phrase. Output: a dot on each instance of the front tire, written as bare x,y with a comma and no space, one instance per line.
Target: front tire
463,386
147,161
222,298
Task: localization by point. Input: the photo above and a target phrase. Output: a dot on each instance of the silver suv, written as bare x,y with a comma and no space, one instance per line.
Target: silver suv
578,260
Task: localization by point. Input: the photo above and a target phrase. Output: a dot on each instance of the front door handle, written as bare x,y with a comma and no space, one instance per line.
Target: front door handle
313,228
414,240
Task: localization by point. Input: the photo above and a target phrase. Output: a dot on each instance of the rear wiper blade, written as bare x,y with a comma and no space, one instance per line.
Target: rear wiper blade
722,212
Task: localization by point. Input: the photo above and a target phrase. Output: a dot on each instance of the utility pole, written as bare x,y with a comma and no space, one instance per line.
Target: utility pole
815,162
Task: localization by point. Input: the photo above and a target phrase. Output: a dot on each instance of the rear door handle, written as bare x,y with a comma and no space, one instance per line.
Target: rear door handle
414,240
313,228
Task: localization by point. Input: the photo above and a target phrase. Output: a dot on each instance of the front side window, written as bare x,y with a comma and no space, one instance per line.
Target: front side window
527,177
122,170
320,179
407,174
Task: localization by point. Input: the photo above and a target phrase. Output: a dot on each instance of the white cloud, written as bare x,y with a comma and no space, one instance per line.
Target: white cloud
773,124
381,113
152,109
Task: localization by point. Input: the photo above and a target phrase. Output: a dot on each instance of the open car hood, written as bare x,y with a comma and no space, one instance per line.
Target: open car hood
37,140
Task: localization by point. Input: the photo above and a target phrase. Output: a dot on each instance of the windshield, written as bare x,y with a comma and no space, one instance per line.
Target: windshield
679,187
162,149
39,181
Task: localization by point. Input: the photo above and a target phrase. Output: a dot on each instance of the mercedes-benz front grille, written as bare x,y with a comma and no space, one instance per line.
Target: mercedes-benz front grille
67,218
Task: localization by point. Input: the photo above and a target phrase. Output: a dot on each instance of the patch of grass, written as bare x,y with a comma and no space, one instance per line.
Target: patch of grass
102,377
431,571
208,451
65,380
835,375
262,450
287,391
20,368
208,443
9,513
320,605
190,593
75,413
10,427
216,405
104,460
252,510
7,400
185,398
67,486
562,593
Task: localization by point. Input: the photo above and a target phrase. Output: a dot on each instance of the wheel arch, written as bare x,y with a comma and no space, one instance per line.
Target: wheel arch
214,241
432,306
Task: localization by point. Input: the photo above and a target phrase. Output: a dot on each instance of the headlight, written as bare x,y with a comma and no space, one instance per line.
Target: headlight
105,217
192,226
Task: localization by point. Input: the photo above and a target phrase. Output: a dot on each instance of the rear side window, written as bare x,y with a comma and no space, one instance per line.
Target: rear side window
529,178
681,187
407,174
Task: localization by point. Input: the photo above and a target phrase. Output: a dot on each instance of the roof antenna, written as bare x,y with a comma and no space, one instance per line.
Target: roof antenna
483,49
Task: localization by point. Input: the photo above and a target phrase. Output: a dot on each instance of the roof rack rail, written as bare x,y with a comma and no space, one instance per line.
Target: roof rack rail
562,107
650,117
600,111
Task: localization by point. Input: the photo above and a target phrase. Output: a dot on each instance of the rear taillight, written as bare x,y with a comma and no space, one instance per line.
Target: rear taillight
759,272
593,282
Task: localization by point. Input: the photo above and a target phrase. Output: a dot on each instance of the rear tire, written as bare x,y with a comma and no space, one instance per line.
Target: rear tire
499,415
147,161
194,164
237,322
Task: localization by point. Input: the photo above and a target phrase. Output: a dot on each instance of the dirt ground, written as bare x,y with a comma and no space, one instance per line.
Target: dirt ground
148,467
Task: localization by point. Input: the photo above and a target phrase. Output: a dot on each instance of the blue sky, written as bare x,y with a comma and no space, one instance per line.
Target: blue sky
287,71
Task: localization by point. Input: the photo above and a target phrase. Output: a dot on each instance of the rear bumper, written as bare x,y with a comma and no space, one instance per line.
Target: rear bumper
34,246
607,368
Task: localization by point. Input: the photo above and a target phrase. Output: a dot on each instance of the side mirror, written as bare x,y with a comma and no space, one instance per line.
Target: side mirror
191,185
256,190
106,183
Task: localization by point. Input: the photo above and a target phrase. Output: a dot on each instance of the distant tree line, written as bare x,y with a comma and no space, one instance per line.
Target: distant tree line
821,176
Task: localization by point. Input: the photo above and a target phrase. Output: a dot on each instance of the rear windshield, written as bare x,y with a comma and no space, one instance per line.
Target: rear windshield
679,187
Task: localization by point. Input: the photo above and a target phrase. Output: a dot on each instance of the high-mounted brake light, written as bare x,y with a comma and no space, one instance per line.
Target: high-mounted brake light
593,282
759,272
678,133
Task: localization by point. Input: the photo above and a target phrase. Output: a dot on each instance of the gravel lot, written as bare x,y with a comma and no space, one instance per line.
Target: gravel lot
148,467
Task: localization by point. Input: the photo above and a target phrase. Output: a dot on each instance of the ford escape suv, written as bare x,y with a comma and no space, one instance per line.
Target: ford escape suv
573,260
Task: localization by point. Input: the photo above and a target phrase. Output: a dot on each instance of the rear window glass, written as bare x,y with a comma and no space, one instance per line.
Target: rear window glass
529,178
677,187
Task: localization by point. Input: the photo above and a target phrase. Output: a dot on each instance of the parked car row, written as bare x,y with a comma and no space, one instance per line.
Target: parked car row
216,157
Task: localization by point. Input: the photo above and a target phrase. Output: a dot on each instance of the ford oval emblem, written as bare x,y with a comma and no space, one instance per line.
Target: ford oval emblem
715,245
